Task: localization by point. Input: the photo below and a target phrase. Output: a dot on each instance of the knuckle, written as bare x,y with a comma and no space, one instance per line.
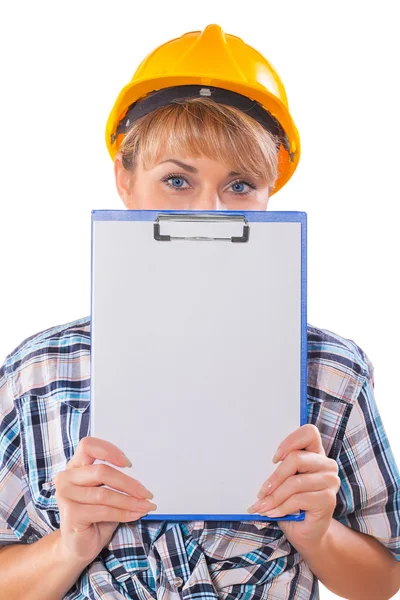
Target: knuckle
330,496
313,429
100,495
290,459
297,457
333,465
100,471
337,483
298,482
59,481
84,442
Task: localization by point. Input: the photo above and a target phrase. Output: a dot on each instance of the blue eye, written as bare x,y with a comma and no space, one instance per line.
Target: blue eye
238,183
241,183
176,180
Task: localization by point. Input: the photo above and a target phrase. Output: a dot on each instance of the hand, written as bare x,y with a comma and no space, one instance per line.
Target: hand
306,479
89,513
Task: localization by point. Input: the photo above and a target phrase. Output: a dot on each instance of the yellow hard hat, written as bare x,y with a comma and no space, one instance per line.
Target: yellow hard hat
235,73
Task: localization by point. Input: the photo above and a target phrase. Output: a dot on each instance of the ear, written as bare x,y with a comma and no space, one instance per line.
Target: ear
122,180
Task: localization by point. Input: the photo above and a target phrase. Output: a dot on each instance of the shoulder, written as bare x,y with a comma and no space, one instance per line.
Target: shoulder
336,365
337,369
324,344
42,359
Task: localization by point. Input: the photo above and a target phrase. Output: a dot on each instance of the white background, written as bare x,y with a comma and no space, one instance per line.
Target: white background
62,67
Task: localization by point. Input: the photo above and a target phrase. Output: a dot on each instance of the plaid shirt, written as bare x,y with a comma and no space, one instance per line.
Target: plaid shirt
45,411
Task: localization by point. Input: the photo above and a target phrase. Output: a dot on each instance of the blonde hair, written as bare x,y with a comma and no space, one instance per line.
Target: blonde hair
201,126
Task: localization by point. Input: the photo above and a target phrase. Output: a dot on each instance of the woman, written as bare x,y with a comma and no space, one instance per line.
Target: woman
204,124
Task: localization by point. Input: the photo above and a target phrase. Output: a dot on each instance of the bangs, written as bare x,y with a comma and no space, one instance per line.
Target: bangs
201,127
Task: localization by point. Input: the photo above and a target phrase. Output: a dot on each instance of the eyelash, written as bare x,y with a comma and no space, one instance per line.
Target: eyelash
180,176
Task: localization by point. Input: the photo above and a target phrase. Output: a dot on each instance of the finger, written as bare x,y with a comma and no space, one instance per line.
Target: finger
82,516
106,497
296,484
91,448
306,437
101,474
106,513
297,461
308,501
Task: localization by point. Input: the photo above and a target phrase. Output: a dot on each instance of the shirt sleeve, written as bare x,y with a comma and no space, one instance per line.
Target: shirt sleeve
369,497
14,521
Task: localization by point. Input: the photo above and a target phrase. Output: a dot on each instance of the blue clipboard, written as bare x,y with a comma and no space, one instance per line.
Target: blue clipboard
199,351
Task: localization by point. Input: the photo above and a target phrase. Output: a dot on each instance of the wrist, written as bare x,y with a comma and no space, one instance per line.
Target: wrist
315,545
63,555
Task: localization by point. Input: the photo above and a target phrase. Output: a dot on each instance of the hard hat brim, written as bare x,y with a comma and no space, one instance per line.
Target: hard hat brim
140,88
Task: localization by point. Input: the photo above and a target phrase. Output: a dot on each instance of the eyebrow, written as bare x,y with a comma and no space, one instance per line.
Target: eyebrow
190,168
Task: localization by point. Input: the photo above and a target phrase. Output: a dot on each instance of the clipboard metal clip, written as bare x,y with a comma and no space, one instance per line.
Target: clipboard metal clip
201,218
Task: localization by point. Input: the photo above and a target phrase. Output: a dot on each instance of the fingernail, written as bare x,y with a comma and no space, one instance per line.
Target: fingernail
265,490
146,505
278,455
145,492
128,461
125,460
